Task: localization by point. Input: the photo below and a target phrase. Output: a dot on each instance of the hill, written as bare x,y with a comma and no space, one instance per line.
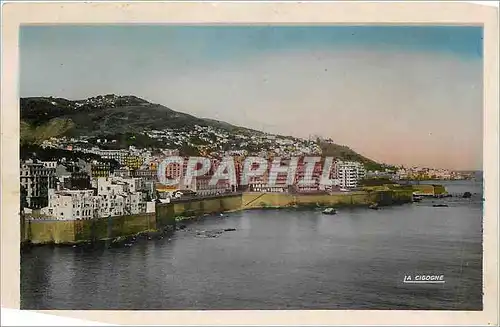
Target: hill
35,134
330,149
125,118
109,114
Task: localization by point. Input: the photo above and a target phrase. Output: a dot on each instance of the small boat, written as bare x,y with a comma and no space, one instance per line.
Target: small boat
466,195
440,205
329,211
374,206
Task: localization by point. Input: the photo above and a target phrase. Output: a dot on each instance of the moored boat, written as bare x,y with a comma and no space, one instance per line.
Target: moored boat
329,211
440,205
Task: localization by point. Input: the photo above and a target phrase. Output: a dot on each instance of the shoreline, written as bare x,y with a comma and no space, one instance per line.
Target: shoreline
118,241
119,229
151,234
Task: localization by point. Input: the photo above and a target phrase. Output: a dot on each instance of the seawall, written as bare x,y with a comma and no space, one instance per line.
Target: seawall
429,189
209,205
80,231
278,200
166,215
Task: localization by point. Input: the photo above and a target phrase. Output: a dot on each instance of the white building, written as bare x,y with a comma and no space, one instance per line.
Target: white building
120,196
134,203
118,155
114,198
150,206
349,173
329,185
70,205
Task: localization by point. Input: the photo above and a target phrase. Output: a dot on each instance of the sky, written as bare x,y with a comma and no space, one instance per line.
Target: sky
403,95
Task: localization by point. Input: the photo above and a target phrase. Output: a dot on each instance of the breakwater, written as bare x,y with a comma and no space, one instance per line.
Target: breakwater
165,215
362,198
429,189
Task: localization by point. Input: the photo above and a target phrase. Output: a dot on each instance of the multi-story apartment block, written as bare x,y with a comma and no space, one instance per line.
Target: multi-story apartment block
37,179
133,162
349,173
114,197
232,181
118,155
278,181
122,172
100,169
301,174
261,184
70,205
204,188
121,196
175,170
79,180
145,174
134,203
111,205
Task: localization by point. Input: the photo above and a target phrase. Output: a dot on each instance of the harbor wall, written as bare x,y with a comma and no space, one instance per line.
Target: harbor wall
429,189
77,231
270,200
208,205
165,216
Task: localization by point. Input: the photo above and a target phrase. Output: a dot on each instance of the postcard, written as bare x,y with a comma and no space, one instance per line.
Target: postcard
251,163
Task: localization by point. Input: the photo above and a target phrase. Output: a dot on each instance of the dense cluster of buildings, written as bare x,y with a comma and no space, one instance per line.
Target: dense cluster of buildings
209,141
422,173
64,189
69,190
341,175
109,197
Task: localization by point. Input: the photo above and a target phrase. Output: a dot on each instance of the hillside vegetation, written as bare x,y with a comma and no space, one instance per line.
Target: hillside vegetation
124,118
108,114
36,134
341,151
